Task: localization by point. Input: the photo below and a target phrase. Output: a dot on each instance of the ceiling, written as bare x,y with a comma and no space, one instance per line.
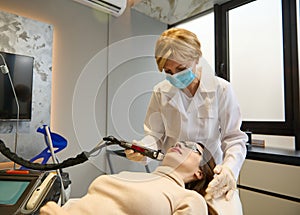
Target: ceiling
173,11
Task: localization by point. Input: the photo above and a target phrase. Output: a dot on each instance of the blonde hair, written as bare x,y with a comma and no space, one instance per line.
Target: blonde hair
177,44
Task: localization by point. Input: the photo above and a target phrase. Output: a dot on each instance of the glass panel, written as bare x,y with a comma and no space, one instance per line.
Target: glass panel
203,27
256,59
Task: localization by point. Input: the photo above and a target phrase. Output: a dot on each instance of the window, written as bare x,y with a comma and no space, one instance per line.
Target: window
276,56
203,27
256,59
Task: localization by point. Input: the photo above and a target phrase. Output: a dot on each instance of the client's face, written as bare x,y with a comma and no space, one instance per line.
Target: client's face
184,155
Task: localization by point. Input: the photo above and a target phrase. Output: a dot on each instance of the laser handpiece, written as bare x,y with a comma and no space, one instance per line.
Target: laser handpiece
151,153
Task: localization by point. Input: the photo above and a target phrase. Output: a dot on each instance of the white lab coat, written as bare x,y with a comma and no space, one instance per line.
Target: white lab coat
212,116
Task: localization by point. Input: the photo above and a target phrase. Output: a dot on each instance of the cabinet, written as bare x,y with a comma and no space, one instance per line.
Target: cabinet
269,188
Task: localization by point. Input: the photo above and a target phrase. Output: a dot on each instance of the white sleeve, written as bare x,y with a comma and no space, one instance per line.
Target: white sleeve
153,125
233,140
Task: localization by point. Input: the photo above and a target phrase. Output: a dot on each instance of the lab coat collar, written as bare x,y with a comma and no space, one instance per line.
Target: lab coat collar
171,95
208,81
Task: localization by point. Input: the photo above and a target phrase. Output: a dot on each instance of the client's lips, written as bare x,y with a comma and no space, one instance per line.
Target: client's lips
176,149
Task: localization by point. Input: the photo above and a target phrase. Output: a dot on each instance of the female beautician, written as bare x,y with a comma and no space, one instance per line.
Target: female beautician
193,104
161,192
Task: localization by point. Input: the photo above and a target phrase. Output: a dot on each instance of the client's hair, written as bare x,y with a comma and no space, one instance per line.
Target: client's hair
207,166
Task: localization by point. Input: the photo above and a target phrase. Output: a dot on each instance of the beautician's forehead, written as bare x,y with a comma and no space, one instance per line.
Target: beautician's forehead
174,62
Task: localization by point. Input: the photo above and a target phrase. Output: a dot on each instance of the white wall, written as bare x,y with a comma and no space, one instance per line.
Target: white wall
80,46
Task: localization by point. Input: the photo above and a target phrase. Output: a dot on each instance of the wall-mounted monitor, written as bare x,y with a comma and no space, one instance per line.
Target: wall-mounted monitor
21,73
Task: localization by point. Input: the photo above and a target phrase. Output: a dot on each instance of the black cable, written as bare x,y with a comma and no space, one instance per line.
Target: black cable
80,158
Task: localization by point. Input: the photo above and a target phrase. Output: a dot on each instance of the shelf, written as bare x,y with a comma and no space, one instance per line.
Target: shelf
274,155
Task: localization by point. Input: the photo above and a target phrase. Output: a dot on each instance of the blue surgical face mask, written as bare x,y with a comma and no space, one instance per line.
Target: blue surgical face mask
181,79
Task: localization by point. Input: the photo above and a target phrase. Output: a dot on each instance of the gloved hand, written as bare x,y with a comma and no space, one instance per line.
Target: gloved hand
135,156
223,184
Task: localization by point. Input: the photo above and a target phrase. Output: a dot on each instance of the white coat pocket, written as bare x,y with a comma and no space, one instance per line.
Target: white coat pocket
206,112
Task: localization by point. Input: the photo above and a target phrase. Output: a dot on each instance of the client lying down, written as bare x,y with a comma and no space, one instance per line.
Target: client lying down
177,186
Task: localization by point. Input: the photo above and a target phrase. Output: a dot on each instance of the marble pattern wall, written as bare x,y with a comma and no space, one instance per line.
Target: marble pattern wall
173,11
24,36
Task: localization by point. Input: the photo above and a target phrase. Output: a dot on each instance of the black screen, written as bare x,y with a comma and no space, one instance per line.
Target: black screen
21,72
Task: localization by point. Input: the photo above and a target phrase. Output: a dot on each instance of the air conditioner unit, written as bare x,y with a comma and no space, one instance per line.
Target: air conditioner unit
113,7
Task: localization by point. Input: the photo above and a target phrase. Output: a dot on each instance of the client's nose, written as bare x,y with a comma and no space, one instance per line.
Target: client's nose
178,144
